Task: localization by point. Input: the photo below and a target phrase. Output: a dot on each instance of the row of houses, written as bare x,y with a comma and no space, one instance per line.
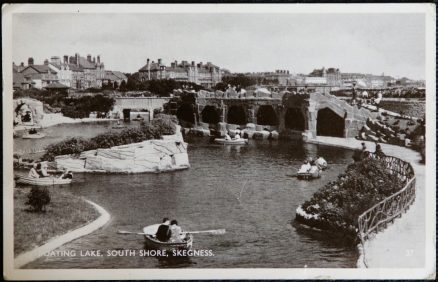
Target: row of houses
206,75
327,77
74,72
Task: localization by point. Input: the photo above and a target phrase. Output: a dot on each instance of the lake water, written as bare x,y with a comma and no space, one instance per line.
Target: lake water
243,189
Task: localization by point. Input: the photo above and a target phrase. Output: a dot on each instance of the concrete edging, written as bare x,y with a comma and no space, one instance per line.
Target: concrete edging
58,241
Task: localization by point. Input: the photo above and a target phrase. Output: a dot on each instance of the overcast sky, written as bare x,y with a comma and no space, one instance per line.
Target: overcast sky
393,44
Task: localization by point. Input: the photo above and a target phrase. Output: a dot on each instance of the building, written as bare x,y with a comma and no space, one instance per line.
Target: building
112,77
332,76
40,75
74,72
206,75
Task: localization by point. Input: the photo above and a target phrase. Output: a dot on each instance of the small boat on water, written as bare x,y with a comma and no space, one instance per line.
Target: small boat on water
154,244
240,141
308,175
36,135
43,181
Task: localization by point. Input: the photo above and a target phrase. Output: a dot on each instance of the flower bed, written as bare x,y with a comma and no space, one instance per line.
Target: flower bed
337,206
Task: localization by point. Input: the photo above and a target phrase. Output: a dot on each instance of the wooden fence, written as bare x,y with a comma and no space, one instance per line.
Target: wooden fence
380,215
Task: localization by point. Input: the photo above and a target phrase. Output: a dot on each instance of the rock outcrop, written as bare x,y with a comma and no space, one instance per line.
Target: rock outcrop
167,154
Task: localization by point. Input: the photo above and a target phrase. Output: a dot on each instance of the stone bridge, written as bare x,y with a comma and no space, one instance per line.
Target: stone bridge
126,104
293,115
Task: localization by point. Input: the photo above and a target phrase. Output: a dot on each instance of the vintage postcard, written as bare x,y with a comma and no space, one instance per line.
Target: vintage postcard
217,141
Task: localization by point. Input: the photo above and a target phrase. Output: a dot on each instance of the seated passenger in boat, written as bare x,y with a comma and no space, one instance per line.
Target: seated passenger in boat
305,167
320,162
163,232
237,137
175,232
227,137
314,169
33,172
42,169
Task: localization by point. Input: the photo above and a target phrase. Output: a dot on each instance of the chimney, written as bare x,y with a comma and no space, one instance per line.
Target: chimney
77,59
176,63
193,63
98,59
72,60
22,64
94,60
89,58
30,61
172,65
65,59
46,62
147,61
159,61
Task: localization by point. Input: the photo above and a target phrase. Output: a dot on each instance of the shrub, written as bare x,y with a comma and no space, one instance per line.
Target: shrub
38,199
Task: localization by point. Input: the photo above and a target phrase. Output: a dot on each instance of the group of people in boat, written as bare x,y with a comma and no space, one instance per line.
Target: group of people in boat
39,170
169,231
313,166
236,137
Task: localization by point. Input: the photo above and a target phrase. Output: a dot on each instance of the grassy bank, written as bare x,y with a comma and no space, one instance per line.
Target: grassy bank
65,212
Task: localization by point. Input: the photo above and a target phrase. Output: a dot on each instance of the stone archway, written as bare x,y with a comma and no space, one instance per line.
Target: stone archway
236,115
328,123
266,115
210,114
294,119
186,113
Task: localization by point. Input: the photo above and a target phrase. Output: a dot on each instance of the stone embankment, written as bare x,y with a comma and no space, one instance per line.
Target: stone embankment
249,131
167,154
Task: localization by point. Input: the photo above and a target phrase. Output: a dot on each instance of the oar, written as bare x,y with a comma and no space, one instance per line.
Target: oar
214,232
129,232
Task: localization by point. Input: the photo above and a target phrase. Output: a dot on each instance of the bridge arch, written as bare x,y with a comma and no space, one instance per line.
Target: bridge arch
236,115
294,119
266,115
329,123
210,114
186,113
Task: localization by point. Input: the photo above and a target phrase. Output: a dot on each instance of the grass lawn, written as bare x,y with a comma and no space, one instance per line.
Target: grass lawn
64,213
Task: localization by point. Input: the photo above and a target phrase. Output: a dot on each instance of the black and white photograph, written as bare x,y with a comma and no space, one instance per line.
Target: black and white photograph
219,141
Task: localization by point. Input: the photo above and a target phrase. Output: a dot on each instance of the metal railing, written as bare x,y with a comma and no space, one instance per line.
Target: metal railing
381,214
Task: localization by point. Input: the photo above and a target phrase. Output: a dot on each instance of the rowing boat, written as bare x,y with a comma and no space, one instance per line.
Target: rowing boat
308,175
43,181
231,141
154,244
33,136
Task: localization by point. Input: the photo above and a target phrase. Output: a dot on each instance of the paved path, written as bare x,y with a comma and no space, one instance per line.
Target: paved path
58,241
402,244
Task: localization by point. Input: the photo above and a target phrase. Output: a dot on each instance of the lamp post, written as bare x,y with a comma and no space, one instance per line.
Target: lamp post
353,101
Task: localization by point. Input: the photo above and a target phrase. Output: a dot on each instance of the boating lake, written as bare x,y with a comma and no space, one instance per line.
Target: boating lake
243,189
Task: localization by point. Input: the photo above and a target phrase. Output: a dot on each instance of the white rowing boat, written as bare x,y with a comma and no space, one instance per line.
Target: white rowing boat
43,181
33,136
231,141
